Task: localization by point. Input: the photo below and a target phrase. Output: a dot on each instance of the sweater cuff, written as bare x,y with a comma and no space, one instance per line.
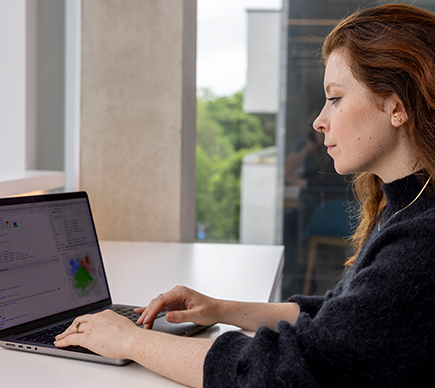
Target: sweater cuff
222,371
308,304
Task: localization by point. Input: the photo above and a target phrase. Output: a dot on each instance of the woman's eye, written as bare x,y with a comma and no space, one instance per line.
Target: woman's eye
333,99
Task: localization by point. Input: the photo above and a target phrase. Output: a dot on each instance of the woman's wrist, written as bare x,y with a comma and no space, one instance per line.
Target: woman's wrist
250,316
227,313
218,310
131,341
239,314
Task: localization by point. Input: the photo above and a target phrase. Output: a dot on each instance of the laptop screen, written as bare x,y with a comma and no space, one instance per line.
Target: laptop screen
50,260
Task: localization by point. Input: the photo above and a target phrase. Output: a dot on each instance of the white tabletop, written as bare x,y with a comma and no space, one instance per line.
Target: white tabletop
139,271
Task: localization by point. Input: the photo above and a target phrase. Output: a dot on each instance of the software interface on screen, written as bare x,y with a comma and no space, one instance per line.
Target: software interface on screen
49,260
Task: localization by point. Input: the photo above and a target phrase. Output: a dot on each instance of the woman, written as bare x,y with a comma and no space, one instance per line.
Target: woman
376,328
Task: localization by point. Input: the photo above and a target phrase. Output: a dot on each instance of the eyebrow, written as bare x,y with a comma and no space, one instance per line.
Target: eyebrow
330,85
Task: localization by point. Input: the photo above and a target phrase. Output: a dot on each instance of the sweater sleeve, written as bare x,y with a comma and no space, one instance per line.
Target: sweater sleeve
270,359
228,372
310,304
377,331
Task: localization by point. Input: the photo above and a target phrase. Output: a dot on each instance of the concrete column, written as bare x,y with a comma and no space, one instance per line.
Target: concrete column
138,130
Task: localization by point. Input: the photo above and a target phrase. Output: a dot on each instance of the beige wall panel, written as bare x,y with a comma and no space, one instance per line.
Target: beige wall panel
138,117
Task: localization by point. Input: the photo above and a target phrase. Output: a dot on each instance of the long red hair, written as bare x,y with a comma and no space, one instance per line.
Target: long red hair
391,49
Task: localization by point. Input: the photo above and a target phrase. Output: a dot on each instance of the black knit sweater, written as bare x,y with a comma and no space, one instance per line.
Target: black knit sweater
375,329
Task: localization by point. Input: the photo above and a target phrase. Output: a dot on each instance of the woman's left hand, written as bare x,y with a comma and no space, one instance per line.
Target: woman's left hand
105,333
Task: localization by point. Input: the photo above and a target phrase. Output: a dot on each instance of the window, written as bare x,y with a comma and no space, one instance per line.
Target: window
234,135
283,189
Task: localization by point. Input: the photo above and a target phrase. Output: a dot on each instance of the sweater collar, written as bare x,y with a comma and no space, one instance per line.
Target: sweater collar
402,192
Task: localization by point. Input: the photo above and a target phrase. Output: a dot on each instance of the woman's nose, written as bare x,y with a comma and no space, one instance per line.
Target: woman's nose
319,124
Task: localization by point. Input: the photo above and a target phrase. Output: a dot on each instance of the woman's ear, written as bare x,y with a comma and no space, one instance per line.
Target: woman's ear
398,113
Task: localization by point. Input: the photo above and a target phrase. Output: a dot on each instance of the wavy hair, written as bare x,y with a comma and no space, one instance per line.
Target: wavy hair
391,49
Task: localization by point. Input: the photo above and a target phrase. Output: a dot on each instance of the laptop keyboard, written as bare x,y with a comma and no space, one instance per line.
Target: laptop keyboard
126,312
47,336
130,314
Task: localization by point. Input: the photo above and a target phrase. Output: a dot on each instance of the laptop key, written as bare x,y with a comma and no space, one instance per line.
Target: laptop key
130,314
46,336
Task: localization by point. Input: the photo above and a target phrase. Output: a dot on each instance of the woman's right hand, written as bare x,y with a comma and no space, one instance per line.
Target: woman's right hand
183,305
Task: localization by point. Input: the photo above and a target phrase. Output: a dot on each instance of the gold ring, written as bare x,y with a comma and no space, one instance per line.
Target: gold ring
77,325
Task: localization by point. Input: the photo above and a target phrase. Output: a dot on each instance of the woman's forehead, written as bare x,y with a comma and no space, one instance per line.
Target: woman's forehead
337,72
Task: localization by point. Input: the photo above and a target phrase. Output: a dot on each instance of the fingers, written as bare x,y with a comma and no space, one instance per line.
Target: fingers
180,316
75,329
149,313
69,340
139,310
174,299
183,305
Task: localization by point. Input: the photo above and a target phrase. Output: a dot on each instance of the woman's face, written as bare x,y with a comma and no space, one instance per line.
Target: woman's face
362,132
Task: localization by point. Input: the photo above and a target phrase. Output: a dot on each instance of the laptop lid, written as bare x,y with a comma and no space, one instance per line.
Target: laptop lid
50,261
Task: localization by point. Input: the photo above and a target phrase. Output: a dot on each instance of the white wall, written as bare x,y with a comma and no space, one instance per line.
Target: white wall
12,85
31,95
262,87
73,9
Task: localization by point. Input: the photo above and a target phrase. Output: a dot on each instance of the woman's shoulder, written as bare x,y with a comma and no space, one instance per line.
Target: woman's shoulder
405,245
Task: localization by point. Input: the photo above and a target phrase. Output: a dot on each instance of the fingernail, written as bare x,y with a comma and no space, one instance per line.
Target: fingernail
146,319
170,317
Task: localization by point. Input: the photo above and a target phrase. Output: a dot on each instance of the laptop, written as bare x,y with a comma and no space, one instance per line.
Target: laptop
51,271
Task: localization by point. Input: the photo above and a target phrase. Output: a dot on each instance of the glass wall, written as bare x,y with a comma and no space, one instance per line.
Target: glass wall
263,175
317,212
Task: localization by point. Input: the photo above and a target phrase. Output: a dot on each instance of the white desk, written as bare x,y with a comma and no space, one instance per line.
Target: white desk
138,272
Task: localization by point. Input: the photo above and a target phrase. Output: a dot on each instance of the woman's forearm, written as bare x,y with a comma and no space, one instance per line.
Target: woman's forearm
251,316
178,358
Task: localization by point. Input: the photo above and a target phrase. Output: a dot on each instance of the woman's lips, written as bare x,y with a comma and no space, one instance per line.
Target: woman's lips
329,147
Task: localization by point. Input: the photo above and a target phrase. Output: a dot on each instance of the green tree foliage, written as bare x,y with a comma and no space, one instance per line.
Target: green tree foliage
225,134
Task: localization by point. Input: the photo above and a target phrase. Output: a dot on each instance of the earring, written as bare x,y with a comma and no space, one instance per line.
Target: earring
397,119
